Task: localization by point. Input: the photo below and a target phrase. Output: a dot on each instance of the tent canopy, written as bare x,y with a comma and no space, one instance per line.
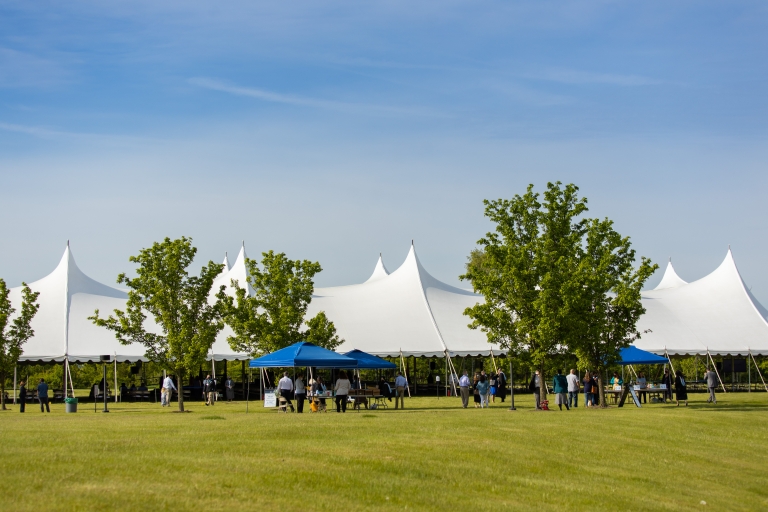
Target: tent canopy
303,354
370,362
633,355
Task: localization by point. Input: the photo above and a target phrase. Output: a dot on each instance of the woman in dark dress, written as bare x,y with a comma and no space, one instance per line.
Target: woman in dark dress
666,379
476,393
501,385
681,391
22,396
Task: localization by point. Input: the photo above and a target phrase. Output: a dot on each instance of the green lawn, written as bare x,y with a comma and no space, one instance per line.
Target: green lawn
432,456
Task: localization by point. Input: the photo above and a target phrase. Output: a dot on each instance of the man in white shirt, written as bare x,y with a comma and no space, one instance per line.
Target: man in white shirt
400,384
464,389
168,388
285,389
573,389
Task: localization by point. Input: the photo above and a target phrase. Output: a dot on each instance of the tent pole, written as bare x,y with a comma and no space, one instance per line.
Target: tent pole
14,385
69,372
495,368
749,377
714,367
758,370
453,372
115,377
405,372
248,393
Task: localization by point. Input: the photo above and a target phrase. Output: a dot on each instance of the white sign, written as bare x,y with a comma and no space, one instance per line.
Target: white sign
270,398
437,378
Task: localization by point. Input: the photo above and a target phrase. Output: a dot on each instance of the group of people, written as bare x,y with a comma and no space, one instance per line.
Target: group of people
42,396
485,388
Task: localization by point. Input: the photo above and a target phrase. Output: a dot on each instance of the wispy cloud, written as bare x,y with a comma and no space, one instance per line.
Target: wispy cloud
51,134
22,69
573,76
304,101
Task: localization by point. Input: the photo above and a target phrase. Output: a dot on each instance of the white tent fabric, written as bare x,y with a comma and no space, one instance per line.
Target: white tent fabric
407,311
670,278
715,314
226,264
67,298
221,350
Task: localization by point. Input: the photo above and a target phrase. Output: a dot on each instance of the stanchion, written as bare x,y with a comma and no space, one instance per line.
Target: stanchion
511,387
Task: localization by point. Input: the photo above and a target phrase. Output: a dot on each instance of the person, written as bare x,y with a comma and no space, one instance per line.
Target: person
42,395
501,385
123,392
22,396
132,389
492,382
666,381
229,388
642,383
342,388
300,394
616,381
587,380
464,389
535,386
209,390
560,388
167,391
573,388
595,388
285,389
482,390
318,388
711,378
400,384
385,390
681,391
475,392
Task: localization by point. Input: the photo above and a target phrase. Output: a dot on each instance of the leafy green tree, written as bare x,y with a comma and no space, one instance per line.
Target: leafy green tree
606,298
273,317
13,338
526,274
178,304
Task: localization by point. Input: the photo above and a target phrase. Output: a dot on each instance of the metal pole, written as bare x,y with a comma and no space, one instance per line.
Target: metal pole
14,385
104,391
115,378
511,386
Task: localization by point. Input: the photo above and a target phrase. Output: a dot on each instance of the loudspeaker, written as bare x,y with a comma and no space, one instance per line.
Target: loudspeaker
105,359
432,365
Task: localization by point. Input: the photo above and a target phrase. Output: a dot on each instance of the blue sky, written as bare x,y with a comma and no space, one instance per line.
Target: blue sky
337,130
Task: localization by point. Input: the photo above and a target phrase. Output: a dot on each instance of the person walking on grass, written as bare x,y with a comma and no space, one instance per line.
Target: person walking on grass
666,382
482,389
464,389
587,380
501,385
229,388
300,394
400,384
535,386
711,378
492,387
573,389
42,395
342,388
22,396
285,389
681,389
209,390
168,388
560,387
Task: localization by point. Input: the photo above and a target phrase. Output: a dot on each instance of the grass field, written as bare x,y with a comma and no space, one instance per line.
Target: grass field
431,456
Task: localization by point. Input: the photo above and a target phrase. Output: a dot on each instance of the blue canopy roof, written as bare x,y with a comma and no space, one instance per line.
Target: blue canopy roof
633,355
303,354
366,360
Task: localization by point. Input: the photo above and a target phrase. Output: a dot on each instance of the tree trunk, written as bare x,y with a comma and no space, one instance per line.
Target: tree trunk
543,389
601,389
2,390
180,390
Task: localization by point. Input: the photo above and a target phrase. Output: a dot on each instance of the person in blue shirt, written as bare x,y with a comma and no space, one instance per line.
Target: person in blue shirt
42,395
482,389
400,384
464,389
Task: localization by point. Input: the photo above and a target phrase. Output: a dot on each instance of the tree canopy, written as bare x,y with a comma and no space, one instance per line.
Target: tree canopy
179,304
273,317
13,337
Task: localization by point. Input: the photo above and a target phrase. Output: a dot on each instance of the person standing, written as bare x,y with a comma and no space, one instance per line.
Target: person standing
681,389
560,387
285,389
400,384
535,386
711,378
501,385
167,393
482,390
229,388
464,389
492,383
300,394
666,380
573,388
342,388
42,395
642,383
209,390
22,396
587,380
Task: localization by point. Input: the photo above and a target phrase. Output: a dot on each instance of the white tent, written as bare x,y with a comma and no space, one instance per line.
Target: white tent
67,298
716,314
407,312
221,350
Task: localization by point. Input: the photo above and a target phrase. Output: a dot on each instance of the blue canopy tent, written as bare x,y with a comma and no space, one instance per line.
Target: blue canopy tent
303,354
370,362
633,355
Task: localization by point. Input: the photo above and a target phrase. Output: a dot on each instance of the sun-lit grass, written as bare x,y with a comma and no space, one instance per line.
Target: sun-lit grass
431,456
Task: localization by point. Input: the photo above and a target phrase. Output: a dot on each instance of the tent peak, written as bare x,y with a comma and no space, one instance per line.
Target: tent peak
670,278
379,272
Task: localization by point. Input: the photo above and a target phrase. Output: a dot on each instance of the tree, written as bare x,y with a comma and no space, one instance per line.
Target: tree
608,298
178,304
12,339
272,318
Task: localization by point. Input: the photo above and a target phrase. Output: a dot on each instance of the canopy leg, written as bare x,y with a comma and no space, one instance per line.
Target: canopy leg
758,370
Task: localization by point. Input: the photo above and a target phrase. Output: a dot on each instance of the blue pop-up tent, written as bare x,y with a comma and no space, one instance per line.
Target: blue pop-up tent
303,354
634,355
369,361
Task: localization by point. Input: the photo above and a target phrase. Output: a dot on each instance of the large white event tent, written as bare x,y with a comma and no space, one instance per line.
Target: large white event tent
405,313
715,315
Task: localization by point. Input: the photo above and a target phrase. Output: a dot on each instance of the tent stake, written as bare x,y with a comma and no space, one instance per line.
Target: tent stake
758,370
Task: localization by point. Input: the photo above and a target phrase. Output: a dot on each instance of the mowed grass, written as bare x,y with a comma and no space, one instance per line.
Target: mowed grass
431,456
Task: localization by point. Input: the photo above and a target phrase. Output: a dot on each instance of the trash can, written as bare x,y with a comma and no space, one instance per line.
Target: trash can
70,404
